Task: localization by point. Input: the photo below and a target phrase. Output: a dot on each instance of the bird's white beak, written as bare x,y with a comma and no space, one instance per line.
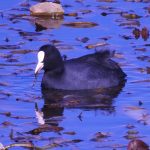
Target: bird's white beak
40,63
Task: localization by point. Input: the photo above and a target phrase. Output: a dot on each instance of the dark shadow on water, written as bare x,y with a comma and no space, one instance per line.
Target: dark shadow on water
55,101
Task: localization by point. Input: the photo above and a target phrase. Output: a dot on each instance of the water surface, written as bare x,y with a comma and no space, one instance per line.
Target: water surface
101,119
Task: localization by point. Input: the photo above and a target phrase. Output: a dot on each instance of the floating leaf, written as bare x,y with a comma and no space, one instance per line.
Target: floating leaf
141,49
130,126
70,133
72,14
21,51
144,58
81,24
99,136
145,33
130,23
85,11
45,128
6,123
136,33
90,46
132,132
9,47
130,16
26,145
140,81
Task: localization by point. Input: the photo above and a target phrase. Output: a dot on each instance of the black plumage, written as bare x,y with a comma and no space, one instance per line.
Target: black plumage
87,72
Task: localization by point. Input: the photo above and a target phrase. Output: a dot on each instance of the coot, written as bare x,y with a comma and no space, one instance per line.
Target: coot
87,72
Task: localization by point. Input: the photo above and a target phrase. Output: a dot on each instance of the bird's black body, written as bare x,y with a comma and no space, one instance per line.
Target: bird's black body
87,72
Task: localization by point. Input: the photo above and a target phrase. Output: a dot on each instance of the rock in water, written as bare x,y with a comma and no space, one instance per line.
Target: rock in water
137,145
49,9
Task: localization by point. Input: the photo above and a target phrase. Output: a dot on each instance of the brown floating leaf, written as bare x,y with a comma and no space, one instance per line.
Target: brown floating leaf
6,114
9,47
90,46
27,145
130,136
5,93
145,33
9,114
140,81
144,58
85,11
64,46
148,70
130,23
23,33
132,132
99,136
141,49
81,24
129,126
72,14
21,51
136,33
130,16
6,55
70,133
133,108
60,142
6,123
45,128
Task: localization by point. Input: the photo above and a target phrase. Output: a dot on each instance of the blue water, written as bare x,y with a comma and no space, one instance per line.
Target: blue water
19,76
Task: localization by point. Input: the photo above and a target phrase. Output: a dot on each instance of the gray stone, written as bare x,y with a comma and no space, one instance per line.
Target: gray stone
50,9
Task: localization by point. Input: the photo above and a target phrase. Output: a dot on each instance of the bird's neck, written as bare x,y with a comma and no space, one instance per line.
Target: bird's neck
56,72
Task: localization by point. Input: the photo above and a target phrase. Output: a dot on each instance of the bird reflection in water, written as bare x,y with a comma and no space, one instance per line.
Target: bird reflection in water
55,101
